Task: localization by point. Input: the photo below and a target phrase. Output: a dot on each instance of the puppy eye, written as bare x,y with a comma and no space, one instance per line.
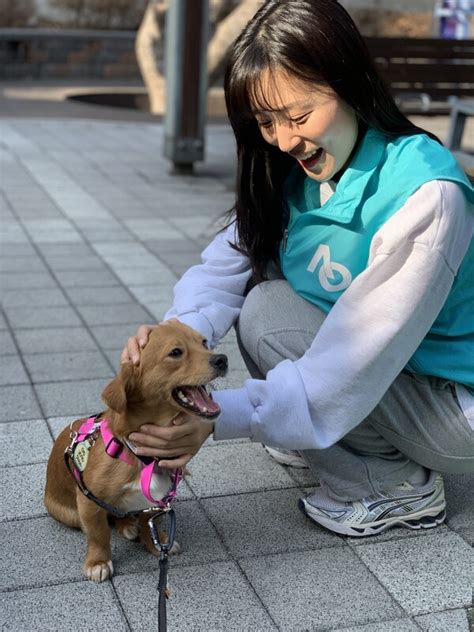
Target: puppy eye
204,344
175,353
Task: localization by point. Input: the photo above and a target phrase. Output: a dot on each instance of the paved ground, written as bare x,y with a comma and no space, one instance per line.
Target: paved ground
94,235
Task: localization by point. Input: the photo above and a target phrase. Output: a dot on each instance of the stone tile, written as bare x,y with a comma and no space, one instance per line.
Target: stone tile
7,344
85,278
51,613
24,442
55,340
52,230
399,625
114,357
113,235
31,297
266,523
115,336
319,590
12,371
18,402
235,469
113,314
211,597
71,398
77,250
58,367
98,295
198,539
38,316
13,233
159,275
451,620
152,229
21,264
162,247
21,491
154,293
156,309
459,490
423,574
25,280
54,553
65,262
57,424
15,249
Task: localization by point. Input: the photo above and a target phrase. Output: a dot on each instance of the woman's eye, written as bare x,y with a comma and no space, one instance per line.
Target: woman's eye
299,120
175,353
265,124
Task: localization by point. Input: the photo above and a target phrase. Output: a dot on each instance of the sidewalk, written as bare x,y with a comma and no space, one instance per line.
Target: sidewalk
94,235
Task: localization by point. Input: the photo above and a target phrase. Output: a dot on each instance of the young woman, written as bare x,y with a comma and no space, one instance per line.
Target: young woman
353,227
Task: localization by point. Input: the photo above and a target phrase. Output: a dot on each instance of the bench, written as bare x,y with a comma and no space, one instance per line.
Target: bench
424,74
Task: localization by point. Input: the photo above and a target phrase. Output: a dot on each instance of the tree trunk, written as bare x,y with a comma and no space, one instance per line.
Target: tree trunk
225,34
149,36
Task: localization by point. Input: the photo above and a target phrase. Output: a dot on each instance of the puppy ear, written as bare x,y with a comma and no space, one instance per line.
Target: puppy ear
122,389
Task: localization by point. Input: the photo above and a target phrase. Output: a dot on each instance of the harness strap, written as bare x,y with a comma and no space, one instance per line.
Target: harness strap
118,513
113,446
116,450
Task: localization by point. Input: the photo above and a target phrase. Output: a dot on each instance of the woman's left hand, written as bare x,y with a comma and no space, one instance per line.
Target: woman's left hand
174,445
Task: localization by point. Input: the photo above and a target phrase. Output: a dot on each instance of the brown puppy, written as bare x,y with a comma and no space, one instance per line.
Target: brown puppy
174,367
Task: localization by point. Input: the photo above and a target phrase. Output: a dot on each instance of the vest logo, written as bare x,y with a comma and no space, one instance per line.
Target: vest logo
333,277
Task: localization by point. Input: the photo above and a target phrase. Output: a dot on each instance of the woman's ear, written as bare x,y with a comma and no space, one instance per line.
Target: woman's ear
122,389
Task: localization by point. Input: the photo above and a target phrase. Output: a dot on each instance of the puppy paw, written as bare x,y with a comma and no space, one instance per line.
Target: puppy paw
99,572
129,528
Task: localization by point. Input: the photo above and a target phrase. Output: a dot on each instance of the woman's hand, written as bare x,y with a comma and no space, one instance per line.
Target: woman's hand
175,445
131,351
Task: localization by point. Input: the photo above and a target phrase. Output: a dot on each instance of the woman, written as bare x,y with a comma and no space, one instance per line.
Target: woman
355,228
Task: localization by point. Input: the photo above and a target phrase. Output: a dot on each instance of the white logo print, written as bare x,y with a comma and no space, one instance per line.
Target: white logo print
327,278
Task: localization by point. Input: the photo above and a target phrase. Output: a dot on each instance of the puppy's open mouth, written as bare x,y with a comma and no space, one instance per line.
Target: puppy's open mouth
197,400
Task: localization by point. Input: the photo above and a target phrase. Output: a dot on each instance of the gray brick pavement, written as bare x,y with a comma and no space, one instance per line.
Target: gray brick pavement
94,235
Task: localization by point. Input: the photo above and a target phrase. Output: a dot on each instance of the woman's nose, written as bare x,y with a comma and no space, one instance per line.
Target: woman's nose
286,138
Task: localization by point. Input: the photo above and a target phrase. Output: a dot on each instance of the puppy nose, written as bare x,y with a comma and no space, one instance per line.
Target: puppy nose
219,362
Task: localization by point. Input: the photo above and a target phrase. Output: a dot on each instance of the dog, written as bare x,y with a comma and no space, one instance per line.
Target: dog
175,365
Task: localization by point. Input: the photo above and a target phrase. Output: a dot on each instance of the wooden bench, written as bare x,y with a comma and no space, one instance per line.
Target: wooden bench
424,74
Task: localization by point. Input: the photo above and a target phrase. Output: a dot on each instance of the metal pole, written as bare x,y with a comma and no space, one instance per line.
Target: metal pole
186,82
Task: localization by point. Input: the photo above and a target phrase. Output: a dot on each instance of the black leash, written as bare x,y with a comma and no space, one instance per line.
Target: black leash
164,548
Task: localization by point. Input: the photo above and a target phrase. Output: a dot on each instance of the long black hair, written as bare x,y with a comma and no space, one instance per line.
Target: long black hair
315,41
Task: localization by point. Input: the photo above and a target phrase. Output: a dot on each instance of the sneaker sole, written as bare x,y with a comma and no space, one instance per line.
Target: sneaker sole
292,460
422,520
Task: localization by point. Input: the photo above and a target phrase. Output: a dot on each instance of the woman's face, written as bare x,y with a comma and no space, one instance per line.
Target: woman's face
308,121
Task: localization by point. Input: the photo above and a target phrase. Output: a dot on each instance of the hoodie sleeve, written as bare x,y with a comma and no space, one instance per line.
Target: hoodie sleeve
209,296
368,336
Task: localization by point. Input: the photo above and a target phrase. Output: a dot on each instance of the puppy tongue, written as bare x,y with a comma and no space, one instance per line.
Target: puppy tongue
200,398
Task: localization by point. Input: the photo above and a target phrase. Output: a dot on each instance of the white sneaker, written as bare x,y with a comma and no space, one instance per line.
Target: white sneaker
286,457
414,507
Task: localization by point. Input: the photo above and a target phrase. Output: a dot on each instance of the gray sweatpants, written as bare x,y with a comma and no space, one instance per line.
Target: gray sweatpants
417,423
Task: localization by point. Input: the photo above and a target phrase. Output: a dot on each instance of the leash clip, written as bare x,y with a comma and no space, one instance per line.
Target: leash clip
163,547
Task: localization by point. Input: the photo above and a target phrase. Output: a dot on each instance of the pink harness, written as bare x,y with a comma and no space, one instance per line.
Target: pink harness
115,449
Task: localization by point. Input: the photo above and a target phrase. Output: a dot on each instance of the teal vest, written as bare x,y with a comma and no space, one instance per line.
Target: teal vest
326,247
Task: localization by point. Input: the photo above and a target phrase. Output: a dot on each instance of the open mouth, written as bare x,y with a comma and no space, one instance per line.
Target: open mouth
313,160
197,400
